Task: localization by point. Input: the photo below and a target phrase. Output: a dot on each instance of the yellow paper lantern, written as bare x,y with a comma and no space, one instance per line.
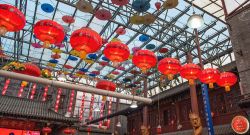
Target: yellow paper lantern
58,51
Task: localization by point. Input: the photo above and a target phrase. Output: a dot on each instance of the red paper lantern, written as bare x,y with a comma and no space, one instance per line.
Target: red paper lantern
11,19
226,80
169,67
158,5
68,19
116,52
120,31
190,72
106,85
31,69
144,59
46,130
103,14
209,76
120,2
48,31
158,129
69,131
86,41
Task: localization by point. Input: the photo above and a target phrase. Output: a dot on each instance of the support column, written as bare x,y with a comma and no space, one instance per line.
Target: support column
205,95
117,117
145,127
145,108
193,94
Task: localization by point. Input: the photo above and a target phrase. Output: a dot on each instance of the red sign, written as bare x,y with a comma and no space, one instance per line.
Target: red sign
5,131
240,124
17,124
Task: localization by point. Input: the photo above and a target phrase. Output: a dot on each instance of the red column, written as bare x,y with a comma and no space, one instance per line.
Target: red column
33,91
72,95
82,108
58,97
46,89
5,87
193,94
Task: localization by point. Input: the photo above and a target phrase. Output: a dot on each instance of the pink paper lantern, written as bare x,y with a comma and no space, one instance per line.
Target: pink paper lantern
120,31
36,45
120,2
103,14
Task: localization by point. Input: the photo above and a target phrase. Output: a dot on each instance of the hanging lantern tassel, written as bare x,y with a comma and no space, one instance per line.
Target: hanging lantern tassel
170,76
191,82
82,54
82,108
109,111
46,89
5,87
58,97
227,88
23,84
46,44
72,95
33,91
211,85
102,110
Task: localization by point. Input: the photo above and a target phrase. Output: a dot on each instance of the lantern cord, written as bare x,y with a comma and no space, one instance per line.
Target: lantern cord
159,108
193,6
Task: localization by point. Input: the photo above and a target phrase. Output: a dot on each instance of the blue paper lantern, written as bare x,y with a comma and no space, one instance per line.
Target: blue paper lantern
105,77
143,38
53,61
150,46
141,5
73,58
132,85
83,69
65,38
98,68
160,58
92,75
92,56
105,59
126,80
48,8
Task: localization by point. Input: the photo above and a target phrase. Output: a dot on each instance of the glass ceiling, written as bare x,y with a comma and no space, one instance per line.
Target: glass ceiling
168,31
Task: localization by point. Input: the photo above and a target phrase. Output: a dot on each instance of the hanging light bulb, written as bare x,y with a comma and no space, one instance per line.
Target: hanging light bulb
119,124
133,104
195,21
61,77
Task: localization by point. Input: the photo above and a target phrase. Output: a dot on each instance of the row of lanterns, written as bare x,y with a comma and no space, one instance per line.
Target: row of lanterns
191,72
67,131
86,41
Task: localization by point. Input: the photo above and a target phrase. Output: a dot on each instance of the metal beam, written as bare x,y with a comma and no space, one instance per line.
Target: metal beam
69,86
